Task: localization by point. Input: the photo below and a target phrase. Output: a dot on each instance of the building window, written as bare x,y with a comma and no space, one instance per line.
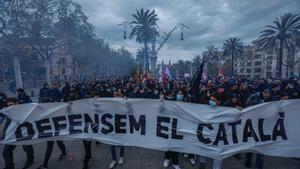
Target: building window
62,60
249,64
63,71
257,56
269,57
248,70
257,70
241,70
257,63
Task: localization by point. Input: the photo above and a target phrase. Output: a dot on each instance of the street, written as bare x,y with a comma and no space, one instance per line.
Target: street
135,158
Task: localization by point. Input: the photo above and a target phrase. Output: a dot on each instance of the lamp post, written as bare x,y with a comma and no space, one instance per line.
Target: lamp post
155,49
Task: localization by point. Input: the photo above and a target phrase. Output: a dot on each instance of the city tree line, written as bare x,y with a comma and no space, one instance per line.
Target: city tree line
37,28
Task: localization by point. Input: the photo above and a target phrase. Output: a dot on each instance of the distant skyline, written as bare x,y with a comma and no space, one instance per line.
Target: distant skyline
210,21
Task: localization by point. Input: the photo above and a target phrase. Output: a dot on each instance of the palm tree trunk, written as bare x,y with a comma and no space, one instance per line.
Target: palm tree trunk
209,68
280,59
146,65
17,71
287,71
232,71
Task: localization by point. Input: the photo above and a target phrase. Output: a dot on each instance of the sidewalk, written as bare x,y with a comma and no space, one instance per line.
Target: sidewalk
135,158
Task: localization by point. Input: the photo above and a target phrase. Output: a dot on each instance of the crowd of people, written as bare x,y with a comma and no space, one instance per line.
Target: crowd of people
221,91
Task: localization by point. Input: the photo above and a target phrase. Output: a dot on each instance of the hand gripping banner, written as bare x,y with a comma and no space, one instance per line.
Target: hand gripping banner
216,132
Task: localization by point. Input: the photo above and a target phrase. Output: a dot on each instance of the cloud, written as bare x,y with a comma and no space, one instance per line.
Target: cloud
210,21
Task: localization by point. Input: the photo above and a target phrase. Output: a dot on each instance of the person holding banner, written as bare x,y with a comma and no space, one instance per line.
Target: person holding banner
53,95
180,96
44,96
74,95
216,100
8,149
23,98
2,105
172,155
254,99
117,94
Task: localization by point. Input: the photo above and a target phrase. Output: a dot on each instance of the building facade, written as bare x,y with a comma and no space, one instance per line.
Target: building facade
33,65
255,63
63,65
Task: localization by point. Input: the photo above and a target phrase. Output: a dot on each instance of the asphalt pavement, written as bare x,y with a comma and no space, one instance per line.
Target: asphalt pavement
135,158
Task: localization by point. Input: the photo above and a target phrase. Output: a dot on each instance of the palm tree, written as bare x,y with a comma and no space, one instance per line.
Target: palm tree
196,63
210,55
145,31
140,56
233,47
284,34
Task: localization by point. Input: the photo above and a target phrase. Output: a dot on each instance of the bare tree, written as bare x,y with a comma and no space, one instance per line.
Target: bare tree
14,29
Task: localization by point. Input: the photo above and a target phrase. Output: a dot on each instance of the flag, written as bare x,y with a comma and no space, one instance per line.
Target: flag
144,79
196,80
204,76
149,76
221,73
167,73
163,76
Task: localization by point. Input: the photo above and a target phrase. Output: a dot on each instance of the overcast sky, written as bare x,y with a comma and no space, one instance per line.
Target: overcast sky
210,21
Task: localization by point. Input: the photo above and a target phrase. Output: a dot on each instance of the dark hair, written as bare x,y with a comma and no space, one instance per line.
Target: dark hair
217,96
12,99
3,95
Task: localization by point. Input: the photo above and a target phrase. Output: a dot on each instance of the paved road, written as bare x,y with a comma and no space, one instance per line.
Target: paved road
135,158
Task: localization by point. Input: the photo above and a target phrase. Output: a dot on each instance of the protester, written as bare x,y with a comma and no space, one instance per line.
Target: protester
117,94
44,96
66,91
172,155
2,105
254,99
52,95
244,93
23,98
181,97
215,100
135,93
74,95
231,92
233,101
8,149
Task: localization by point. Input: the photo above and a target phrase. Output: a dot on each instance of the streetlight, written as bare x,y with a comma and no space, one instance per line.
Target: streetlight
125,25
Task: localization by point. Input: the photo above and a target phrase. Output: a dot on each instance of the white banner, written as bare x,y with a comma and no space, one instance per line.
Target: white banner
216,132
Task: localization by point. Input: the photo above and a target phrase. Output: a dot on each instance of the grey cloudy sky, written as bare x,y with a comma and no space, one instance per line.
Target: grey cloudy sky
210,21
